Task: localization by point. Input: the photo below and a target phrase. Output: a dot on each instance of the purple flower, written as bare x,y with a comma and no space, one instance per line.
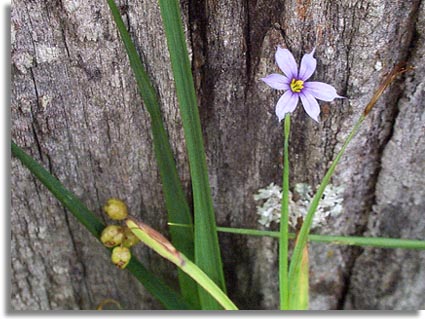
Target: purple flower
295,86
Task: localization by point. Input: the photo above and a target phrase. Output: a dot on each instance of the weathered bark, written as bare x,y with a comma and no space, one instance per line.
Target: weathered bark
75,108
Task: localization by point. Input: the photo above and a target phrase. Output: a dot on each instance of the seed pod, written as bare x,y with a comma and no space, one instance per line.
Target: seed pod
121,257
112,236
116,209
129,238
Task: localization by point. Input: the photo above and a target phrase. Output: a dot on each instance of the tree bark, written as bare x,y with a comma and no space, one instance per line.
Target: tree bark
75,108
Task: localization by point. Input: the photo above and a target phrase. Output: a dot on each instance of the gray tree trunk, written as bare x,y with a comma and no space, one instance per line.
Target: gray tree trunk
76,109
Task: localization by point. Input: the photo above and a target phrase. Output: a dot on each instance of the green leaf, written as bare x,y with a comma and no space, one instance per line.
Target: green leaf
300,298
163,247
207,250
167,296
175,199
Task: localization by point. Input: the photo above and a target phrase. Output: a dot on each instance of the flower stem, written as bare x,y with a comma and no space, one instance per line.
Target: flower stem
283,239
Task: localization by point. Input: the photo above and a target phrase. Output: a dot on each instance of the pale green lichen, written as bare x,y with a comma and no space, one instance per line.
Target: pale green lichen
269,210
270,198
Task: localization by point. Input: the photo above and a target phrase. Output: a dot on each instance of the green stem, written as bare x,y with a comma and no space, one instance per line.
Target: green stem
283,240
295,265
378,242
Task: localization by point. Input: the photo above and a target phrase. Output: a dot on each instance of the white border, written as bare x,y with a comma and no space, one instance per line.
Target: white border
5,230
5,154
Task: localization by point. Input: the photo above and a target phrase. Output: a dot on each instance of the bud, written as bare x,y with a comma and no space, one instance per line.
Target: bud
129,238
112,236
121,257
116,209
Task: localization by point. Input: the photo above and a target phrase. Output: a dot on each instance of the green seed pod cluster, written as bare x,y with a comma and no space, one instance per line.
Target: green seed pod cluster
120,238
116,209
121,257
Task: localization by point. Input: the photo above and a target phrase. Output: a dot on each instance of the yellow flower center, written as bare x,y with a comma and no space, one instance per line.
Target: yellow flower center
296,85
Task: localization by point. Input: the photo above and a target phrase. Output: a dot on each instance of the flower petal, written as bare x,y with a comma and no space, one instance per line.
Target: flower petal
310,105
286,62
277,81
321,91
308,66
286,104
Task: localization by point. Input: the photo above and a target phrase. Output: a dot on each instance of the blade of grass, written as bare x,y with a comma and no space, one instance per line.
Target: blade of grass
163,247
207,250
283,241
302,297
167,296
295,265
67,198
175,199
378,242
